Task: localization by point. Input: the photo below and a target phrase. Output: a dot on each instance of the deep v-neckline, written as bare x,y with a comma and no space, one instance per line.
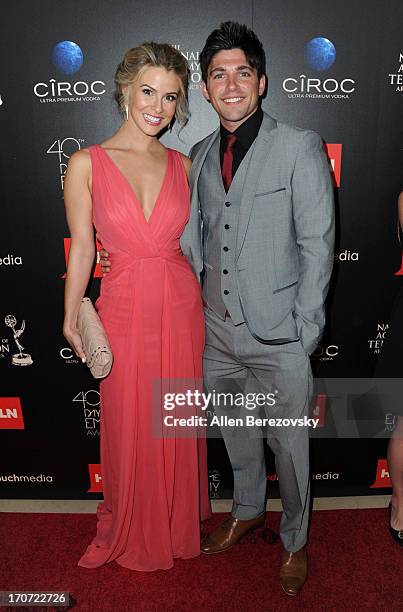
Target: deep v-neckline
130,188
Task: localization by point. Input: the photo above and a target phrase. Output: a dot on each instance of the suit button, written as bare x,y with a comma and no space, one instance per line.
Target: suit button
226,292
225,249
226,226
225,271
227,204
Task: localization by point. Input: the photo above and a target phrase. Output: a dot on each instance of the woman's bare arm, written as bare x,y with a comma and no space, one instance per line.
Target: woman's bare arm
78,202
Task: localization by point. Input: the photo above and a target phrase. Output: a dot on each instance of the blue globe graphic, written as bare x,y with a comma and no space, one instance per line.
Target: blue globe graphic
67,57
320,53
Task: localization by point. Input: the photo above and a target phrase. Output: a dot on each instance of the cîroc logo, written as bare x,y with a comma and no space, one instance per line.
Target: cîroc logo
67,58
20,358
325,353
67,354
320,55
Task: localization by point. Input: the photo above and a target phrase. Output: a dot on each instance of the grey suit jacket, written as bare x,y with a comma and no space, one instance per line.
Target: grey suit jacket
285,235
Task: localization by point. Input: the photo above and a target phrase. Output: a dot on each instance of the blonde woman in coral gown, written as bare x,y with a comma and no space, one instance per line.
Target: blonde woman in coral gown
136,194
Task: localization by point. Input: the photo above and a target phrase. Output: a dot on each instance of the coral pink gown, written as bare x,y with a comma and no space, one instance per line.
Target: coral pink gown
155,488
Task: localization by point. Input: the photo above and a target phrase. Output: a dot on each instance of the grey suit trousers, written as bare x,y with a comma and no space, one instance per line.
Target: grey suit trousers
234,362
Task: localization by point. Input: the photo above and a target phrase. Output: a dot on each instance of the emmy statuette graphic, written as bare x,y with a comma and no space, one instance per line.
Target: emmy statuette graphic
19,359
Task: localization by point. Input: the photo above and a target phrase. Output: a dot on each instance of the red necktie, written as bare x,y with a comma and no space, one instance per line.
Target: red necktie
226,170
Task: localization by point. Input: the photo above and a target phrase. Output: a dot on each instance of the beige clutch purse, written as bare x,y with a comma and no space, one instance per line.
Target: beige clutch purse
98,353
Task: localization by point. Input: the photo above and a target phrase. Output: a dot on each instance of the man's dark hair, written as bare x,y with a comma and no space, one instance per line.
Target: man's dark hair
232,35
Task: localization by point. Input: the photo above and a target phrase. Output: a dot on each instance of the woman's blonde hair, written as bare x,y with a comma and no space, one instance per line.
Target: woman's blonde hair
151,54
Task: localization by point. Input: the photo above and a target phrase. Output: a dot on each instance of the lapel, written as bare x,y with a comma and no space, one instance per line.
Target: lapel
261,150
197,165
194,228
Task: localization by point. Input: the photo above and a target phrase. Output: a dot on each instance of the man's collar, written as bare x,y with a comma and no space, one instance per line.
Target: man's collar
248,130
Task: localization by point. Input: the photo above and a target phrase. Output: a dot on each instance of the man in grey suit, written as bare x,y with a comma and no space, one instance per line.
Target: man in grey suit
260,236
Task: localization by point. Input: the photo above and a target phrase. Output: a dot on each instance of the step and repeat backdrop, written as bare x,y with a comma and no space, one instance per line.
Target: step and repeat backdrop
334,67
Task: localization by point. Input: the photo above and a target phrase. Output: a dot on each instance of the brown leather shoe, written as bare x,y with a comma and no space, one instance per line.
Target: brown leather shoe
229,533
293,570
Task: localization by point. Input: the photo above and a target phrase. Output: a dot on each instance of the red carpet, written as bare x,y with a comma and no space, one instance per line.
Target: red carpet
354,565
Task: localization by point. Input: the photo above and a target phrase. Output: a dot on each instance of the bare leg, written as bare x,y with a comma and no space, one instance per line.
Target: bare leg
395,462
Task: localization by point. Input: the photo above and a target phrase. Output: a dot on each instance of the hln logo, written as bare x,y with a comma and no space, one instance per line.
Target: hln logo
11,413
95,478
334,154
382,479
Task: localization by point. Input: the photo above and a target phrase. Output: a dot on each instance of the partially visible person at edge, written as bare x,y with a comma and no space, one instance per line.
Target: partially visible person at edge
261,237
389,365
136,194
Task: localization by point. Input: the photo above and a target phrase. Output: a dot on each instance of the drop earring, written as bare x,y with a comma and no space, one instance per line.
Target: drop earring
127,112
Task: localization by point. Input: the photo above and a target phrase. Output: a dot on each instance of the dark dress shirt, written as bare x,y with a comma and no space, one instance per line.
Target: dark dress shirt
246,134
